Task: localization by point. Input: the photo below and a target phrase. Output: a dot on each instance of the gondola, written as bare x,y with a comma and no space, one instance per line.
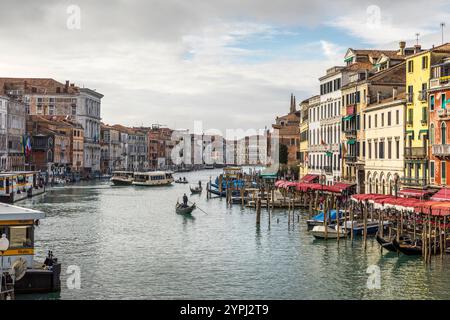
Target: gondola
388,245
181,209
408,248
196,190
181,181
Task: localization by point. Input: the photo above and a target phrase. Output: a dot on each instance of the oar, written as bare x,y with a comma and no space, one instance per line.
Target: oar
199,208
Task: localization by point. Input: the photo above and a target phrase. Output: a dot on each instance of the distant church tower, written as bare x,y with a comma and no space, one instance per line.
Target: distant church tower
292,108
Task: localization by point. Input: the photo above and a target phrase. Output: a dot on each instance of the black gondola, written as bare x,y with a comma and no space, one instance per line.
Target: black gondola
388,245
409,248
182,209
196,190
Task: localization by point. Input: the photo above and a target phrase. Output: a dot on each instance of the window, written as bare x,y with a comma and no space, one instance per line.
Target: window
381,150
443,133
443,172
364,122
364,149
389,118
370,150
397,116
432,134
410,66
410,116
431,102
443,102
389,149
397,148
424,114
424,62
20,237
370,122
376,149
432,174
382,119
376,120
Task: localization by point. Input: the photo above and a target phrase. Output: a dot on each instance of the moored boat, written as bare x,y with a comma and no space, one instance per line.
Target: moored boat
122,178
331,232
410,248
387,244
318,220
182,209
152,178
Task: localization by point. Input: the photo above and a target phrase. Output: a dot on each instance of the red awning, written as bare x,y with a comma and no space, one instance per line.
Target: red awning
309,178
442,195
416,193
279,182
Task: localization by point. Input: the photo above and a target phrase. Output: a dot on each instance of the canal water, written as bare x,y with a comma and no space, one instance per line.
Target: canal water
128,243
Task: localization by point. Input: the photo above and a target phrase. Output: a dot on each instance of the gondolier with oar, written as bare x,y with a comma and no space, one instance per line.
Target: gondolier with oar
185,200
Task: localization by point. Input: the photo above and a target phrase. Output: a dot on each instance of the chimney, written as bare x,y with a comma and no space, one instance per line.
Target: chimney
394,93
378,96
66,87
417,48
402,45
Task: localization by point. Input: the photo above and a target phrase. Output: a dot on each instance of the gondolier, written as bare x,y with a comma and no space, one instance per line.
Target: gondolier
185,200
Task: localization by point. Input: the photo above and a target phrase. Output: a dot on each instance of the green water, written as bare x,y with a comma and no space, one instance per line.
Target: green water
129,244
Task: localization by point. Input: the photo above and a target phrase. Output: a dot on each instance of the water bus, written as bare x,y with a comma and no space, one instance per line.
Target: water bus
122,178
15,186
153,178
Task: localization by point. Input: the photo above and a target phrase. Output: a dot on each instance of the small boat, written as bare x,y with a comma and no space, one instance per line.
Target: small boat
196,190
387,243
319,232
409,248
122,178
209,166
181,181
181,209
318,220
372,226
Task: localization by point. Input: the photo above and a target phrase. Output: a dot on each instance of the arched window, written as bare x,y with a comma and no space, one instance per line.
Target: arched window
443,133
432,134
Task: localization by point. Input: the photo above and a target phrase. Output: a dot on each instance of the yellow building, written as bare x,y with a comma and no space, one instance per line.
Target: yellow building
418,74
305,106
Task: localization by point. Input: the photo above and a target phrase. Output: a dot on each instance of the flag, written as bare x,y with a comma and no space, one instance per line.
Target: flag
28,147
22,144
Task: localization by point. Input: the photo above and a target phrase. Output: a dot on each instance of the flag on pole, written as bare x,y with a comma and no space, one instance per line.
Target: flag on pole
28,147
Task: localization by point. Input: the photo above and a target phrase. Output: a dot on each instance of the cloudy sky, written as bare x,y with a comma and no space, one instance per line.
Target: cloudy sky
229,63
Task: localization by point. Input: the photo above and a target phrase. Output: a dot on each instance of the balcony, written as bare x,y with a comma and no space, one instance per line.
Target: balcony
422,95
414,182
409,97
328,169
350,131
350,158
415,153
441,150
440,81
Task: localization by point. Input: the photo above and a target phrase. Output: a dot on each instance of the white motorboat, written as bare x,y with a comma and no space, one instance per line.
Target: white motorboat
331,232
153,178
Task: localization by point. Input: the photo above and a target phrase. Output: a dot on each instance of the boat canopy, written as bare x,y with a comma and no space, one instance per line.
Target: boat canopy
10,212
331,215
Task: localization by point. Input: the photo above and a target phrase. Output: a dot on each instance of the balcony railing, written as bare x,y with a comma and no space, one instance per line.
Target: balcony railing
415,152
441,150
414,182
350,131
328,169
409,97
423,95
437,82
350,158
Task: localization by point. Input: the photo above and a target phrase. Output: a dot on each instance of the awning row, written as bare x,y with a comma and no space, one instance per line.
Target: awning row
433,207
306,186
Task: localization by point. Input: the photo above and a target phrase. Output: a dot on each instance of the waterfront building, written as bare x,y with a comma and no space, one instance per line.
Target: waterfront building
288,127
418,75
304,133
137,150
438,100
111,149
160,147
15,131
3,131
51,145
383,140
375,75
48,97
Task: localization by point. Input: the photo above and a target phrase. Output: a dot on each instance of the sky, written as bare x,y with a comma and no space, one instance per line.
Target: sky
231,64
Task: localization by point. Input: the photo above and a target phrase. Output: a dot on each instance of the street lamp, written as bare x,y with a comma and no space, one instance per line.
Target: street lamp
4,245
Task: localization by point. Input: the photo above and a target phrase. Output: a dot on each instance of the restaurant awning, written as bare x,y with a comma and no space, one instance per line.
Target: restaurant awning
351,141
309,178
442,195
416,193
349,117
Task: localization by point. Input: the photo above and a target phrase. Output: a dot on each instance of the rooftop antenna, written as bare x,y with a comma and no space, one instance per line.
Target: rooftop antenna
442,31
417,38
